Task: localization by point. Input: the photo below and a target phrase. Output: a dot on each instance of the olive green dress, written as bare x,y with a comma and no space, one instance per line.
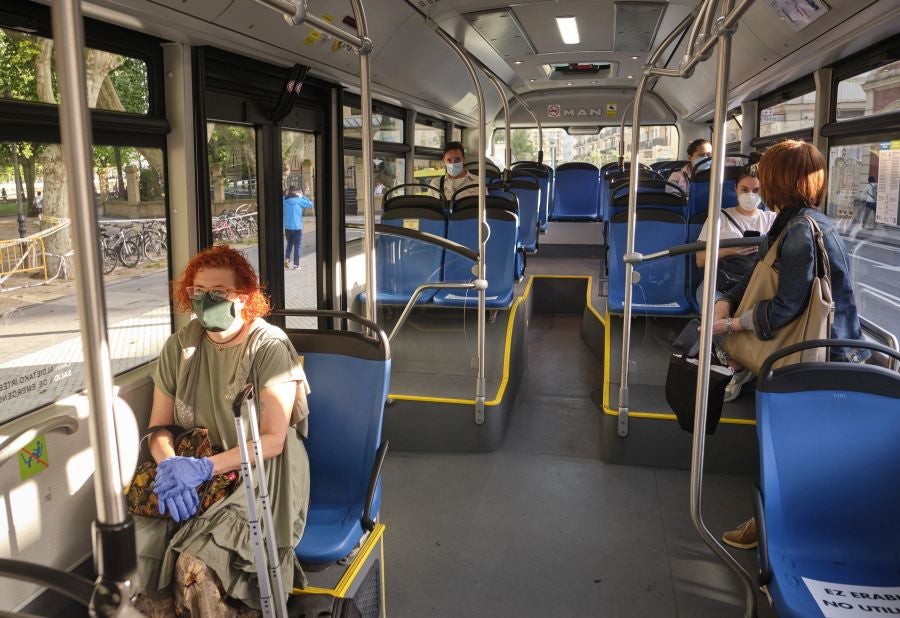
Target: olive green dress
220,537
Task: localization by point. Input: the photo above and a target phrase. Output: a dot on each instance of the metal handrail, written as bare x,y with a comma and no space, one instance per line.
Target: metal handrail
888,338
723,32
12,444
507,150
419,290
443,243
483,229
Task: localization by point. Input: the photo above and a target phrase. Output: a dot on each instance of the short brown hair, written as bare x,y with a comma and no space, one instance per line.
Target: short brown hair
792,175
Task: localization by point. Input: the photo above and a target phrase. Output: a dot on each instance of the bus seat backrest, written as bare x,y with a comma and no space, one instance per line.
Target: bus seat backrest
404,263
414,201
528,191
500,261
698,199
662,286
829,469
544,175
576,192
344,436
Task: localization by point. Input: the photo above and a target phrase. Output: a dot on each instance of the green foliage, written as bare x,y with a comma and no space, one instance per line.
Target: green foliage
17,57
523,149
130,83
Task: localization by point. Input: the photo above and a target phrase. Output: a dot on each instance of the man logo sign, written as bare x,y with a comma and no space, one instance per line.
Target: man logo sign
553,111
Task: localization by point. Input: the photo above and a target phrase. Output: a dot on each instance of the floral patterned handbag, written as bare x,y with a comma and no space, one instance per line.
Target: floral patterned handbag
190,443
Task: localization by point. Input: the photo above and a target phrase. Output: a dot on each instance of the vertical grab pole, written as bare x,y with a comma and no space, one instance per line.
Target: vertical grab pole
365,103
622,132
505,102
483,230
709,297
115,554
632,214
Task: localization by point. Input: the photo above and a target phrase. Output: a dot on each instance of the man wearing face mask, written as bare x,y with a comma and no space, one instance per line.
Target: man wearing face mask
456,177
696,150
745,219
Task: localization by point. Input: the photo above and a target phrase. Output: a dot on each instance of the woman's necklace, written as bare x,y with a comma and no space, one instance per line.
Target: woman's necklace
221,345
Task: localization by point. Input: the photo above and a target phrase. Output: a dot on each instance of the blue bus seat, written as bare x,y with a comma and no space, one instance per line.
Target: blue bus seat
829,471
576,192
403,264
651,193
344,445
528,191
544,175
413,194
501,258
662,286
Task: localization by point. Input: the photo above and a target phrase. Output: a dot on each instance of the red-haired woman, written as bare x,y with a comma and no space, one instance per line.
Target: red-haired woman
202,564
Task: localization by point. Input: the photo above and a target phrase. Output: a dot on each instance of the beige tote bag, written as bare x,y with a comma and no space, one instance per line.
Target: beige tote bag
814,322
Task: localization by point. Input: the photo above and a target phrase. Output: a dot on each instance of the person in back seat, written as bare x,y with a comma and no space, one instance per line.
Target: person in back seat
456,176
737,263
195,555
696,150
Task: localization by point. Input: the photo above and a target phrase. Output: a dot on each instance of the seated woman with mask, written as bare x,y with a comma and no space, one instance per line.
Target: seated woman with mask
745,219
199,561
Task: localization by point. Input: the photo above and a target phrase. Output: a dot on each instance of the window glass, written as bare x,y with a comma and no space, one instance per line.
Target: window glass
658,143
733,128
298,171
426,169
232,185
870,93
115,82
385,128
792,115
428,136
40,342
457,134
866,215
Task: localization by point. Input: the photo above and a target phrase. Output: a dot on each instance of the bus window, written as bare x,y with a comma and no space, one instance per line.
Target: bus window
795,114
862,196
428,136
40,344
232,185
868,94
658,143
29,53
298,175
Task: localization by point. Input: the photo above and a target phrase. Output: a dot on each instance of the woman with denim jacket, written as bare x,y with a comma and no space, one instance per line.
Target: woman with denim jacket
792,182
792,179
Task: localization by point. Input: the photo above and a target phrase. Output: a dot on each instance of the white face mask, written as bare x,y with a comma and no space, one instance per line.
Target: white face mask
748,201
454,169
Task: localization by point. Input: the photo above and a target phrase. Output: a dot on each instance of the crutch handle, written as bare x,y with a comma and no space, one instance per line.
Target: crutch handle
243,395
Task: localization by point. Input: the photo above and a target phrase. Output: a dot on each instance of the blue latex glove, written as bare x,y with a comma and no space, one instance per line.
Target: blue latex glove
181,505
182,471
176,482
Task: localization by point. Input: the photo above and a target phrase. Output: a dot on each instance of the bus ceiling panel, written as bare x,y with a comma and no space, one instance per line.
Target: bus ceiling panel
759,68
586,107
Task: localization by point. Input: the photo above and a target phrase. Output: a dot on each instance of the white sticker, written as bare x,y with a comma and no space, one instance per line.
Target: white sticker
844,601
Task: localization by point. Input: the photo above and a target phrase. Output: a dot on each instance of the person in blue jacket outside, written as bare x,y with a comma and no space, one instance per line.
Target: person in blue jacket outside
294,205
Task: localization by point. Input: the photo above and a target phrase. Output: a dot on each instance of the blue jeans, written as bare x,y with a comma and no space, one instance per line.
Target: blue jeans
292,244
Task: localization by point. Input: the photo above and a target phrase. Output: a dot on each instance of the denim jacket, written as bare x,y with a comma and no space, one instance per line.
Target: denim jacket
795,263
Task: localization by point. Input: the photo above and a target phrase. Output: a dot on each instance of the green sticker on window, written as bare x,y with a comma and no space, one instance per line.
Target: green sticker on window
33,458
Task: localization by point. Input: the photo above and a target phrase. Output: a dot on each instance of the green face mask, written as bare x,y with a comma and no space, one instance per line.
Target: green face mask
215,315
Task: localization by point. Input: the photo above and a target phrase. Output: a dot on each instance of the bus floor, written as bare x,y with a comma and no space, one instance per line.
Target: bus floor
543,527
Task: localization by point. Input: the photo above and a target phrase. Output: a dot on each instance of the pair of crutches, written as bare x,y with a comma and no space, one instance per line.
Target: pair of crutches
271,586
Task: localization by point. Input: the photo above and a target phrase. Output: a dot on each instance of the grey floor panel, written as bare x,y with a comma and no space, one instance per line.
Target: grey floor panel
703,585
543,527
